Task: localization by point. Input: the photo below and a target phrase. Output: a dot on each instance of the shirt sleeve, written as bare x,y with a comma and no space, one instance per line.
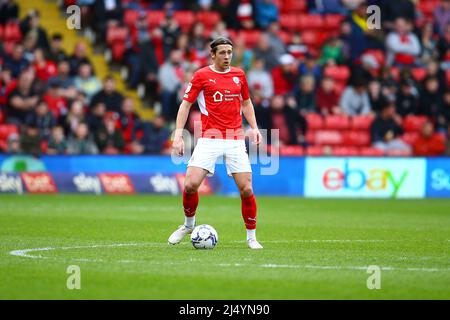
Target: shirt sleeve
193,89
244,88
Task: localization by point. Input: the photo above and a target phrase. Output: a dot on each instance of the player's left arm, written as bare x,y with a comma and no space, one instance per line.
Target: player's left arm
249,113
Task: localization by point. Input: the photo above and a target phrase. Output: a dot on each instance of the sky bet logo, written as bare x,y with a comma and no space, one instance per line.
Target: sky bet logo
365,178
357,179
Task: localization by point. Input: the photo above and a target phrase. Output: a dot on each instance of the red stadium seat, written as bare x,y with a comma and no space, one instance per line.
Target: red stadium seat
371,152
154,18
332,22
410,137
12,33
315,151
185,19
130,17
250,37
310,22
337,122
362,122
314,121
291,151
339,88
5,131
395,73
338,73
116,35
208,18
345,152
328,137
285,36
117,51
419,74
413,123
427,7
314,39
289,21
357,138
8,46
293,6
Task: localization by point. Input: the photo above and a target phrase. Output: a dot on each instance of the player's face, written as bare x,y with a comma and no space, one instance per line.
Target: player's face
222,57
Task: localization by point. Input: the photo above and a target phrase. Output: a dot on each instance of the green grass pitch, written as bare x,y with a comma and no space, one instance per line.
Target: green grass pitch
313,249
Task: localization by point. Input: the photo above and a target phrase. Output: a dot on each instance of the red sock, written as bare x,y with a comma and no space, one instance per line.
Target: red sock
190,203
249,211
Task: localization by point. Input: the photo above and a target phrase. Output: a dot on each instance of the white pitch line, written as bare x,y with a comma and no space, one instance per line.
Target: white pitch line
25,254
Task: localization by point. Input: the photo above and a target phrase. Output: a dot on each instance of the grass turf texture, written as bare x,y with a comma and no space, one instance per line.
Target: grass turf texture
408,237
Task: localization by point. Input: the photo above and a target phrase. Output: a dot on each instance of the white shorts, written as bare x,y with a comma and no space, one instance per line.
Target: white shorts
234,152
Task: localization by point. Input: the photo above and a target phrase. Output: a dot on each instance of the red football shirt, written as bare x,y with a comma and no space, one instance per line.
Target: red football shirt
219,96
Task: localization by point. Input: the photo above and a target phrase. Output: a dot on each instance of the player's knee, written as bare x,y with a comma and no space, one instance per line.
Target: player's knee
190,187
246,190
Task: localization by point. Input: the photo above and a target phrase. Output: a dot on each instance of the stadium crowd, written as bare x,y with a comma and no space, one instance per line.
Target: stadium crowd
316,71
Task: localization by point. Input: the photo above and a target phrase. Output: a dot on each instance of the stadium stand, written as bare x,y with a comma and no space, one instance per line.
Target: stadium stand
381,67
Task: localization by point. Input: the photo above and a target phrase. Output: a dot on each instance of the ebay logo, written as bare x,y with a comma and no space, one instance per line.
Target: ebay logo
356,179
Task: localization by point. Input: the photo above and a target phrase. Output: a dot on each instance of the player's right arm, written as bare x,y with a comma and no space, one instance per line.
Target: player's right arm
190,95
182,116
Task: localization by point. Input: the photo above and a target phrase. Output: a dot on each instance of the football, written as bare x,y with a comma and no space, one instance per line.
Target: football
204,237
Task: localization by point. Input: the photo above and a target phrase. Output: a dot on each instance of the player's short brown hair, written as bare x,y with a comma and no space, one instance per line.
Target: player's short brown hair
218,42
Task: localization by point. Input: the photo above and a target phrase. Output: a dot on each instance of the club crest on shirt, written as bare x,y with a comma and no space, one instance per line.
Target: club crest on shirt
236,80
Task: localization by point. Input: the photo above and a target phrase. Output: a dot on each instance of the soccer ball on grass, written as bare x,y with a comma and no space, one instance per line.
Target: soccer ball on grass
204,237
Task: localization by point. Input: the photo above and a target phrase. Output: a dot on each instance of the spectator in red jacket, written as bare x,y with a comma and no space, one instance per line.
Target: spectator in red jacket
284,75
45,69
429,143
327,100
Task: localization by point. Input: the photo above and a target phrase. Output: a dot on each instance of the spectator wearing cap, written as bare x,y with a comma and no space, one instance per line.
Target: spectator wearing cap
86,82
109,96
386,130
42,119
57,104
327,100
245,14
355,98
284,75
22,99
259,77
56,53
407,100
108,138
403,46
81,142
57,143
309,66
429,143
